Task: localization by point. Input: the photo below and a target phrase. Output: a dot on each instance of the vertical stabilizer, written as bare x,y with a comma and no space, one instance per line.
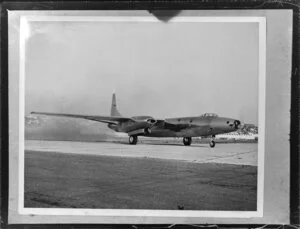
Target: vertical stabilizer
114,111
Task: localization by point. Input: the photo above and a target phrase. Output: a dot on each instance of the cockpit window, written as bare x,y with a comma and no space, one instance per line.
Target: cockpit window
209,115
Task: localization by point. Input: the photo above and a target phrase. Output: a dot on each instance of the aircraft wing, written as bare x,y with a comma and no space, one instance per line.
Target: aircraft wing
170,126
105,119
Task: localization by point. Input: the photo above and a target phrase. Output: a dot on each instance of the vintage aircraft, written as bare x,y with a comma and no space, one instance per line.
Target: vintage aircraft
206,125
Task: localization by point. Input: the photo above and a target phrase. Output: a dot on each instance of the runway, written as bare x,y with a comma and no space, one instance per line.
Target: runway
224,153
150,175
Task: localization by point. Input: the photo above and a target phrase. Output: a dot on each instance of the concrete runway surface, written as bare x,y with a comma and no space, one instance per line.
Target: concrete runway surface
225,153
150,175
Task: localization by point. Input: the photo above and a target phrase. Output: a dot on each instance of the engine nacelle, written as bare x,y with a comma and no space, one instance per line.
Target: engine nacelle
144,119
140,132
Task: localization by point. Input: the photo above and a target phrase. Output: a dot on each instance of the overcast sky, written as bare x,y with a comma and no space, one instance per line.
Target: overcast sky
159,69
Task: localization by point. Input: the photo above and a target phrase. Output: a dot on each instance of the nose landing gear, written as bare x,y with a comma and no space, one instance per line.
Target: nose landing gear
187,141
212,142
133,140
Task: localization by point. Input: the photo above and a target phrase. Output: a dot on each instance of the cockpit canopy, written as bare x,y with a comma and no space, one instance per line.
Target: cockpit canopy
209,115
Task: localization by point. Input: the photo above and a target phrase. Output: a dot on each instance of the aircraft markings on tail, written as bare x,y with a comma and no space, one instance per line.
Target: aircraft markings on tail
206,125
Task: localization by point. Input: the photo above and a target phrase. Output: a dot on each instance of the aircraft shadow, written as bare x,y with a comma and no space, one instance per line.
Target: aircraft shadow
163,144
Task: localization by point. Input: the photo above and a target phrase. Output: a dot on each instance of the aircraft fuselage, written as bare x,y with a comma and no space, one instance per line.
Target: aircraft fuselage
183,126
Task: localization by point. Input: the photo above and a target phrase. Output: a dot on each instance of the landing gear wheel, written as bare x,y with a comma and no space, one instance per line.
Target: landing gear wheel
212,144
187,141
133,140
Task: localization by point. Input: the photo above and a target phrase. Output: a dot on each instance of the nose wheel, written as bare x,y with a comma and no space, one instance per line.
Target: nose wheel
212,142
187,141
133,140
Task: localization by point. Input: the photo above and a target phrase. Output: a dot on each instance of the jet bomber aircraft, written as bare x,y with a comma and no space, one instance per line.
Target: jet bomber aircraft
206,125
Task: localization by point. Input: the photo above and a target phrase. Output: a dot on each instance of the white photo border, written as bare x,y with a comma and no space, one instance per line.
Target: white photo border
151,215
24,20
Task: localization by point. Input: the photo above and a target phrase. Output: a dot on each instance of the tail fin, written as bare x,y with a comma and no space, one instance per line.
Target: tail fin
114,111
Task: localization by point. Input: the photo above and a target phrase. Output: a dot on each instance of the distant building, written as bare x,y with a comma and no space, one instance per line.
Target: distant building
238,136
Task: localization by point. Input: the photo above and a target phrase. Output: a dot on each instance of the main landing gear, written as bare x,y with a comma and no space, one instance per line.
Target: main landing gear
187,141
212,142
133,140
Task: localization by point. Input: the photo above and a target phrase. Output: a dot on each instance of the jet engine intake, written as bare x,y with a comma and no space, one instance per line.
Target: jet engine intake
151,121
147,131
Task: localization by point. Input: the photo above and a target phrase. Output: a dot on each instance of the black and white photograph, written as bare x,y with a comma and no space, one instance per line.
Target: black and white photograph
134,114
